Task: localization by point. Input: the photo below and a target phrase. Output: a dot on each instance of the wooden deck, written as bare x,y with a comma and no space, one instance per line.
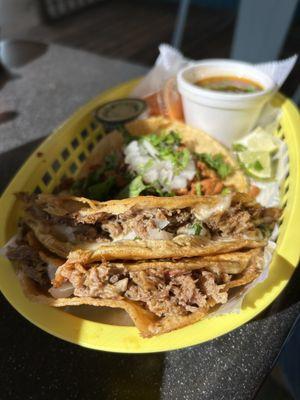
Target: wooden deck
133,29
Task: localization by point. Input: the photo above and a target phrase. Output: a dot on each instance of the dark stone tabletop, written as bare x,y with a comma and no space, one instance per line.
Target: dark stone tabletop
35,365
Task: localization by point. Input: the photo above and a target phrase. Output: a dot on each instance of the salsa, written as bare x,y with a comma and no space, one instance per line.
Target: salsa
230,84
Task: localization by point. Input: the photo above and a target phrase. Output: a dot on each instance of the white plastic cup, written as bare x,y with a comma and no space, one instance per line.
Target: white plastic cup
226,116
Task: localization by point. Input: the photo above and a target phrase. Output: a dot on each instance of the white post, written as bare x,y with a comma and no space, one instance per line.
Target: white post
261,29
180,23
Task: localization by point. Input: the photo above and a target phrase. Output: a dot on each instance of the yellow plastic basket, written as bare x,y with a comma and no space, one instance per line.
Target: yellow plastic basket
61,155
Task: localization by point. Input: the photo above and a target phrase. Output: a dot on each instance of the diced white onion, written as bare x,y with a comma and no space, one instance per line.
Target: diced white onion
65,290
157,234
128,236
121,285
166,173
161,172
178,182
149,148
161,223
132,148
151,175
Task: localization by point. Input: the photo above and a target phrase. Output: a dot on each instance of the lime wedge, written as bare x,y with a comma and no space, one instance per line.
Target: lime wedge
257,164
260,140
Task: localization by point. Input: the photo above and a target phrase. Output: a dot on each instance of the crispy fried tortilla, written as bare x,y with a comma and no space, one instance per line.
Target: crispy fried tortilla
159,295
194,139
148,227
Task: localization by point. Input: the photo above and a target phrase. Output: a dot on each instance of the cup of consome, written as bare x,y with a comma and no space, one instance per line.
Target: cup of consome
223,97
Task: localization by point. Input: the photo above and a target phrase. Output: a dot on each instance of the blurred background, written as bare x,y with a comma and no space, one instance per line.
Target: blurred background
256,30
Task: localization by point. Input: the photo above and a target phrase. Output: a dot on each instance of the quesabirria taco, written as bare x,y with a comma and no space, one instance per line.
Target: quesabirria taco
148,227
159,295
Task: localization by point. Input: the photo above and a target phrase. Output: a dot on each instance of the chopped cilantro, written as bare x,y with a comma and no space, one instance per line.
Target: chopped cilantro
137,238
166,139
257,166
197,227
154,139
185,158
172,138
142,168
239,147
217,163
167,148
223,170
165,145
225,191
198,189
179,159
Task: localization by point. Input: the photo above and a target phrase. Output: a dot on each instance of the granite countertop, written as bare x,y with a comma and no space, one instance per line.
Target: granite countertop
36,365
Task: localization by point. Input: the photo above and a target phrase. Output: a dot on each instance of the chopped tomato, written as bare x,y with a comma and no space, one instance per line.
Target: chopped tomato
253,191
211,186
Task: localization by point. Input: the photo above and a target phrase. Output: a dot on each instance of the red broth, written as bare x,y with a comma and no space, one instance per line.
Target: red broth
230,84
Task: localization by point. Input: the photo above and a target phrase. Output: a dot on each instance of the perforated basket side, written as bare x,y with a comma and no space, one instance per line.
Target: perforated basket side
288,244
72,154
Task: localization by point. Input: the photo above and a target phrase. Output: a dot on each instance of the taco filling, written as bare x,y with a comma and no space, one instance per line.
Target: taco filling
158,164
162,291
165,261
164,288
236,216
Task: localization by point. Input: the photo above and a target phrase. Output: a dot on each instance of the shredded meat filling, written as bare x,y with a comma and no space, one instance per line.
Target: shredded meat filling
163,292
242,218
31,262
154,223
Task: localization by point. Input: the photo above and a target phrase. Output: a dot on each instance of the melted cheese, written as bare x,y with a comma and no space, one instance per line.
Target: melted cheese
204,212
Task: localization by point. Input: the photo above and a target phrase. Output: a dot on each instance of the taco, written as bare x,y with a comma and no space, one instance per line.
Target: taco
156,157
158,295
148,227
